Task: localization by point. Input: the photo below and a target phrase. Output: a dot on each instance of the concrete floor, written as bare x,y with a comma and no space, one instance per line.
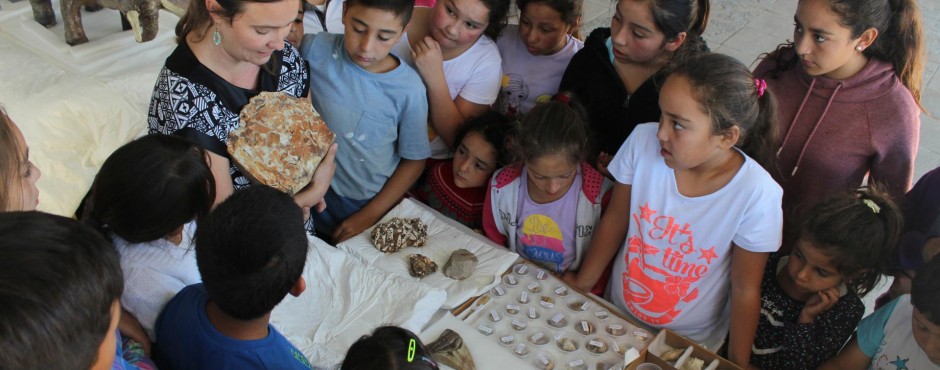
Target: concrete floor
746,28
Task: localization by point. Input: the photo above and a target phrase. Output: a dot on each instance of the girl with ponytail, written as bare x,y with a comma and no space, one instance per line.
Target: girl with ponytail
849,89
618,73
703,213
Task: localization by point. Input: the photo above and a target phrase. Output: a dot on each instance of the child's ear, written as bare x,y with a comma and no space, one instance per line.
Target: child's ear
730,137
676,42
299,287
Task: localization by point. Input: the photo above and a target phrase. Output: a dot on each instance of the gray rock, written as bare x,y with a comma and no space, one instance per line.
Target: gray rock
460,265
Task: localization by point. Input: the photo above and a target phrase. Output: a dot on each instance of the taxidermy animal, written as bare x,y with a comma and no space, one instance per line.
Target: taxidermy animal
141,16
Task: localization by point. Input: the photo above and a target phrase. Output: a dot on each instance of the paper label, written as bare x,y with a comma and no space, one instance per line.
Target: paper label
511,279
616,327
523,269
538,336
560,290
560,335
494,315
518,324
540,275
547,304
585,305
524,297
532,313
601,314
507,339
576,363
584,326
520,348
512,307
557,318
596,343
533,286
641,334
542,359
486,330
500,291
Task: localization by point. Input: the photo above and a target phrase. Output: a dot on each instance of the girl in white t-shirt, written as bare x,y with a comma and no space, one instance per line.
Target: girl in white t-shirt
145,199
451,46
536,52
703,215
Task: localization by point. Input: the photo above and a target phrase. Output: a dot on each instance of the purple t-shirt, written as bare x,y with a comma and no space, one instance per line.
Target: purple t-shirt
541,239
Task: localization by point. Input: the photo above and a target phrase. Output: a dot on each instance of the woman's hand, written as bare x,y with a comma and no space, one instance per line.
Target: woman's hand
428,59
311,196
817,304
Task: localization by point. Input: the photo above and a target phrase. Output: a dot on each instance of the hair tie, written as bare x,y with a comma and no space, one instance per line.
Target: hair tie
760,86
411,350
871,204
562,98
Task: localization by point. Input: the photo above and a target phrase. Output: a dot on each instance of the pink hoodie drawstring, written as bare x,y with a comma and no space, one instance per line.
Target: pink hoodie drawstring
809,91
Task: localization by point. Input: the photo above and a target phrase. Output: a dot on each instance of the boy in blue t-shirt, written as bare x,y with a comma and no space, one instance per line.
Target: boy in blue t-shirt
250,250
904,334
378,109
60,284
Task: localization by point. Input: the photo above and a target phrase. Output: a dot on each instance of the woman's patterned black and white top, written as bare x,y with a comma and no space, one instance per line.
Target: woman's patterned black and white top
191,101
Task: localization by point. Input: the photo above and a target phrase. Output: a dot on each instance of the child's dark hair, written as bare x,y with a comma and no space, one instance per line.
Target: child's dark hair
150,187
676,16
401,8
858,230
251,250
925,288
59,280
570,10
726,90
554,127
496,129
387,348
498,17
900,38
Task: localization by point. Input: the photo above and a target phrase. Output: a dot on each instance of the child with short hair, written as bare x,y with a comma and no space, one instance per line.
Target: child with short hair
389,348
457,188
60,284
536,52
545,208
251,250
810,301
376,105
146,198
694,215
904,334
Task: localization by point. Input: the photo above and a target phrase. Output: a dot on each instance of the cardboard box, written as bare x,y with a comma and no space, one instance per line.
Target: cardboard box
667,340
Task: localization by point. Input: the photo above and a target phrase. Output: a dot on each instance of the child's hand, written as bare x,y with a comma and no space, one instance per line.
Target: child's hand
817,304
352,226
571,278
428,58
603,160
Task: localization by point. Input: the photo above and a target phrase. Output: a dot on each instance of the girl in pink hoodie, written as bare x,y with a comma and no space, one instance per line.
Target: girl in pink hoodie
849,100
